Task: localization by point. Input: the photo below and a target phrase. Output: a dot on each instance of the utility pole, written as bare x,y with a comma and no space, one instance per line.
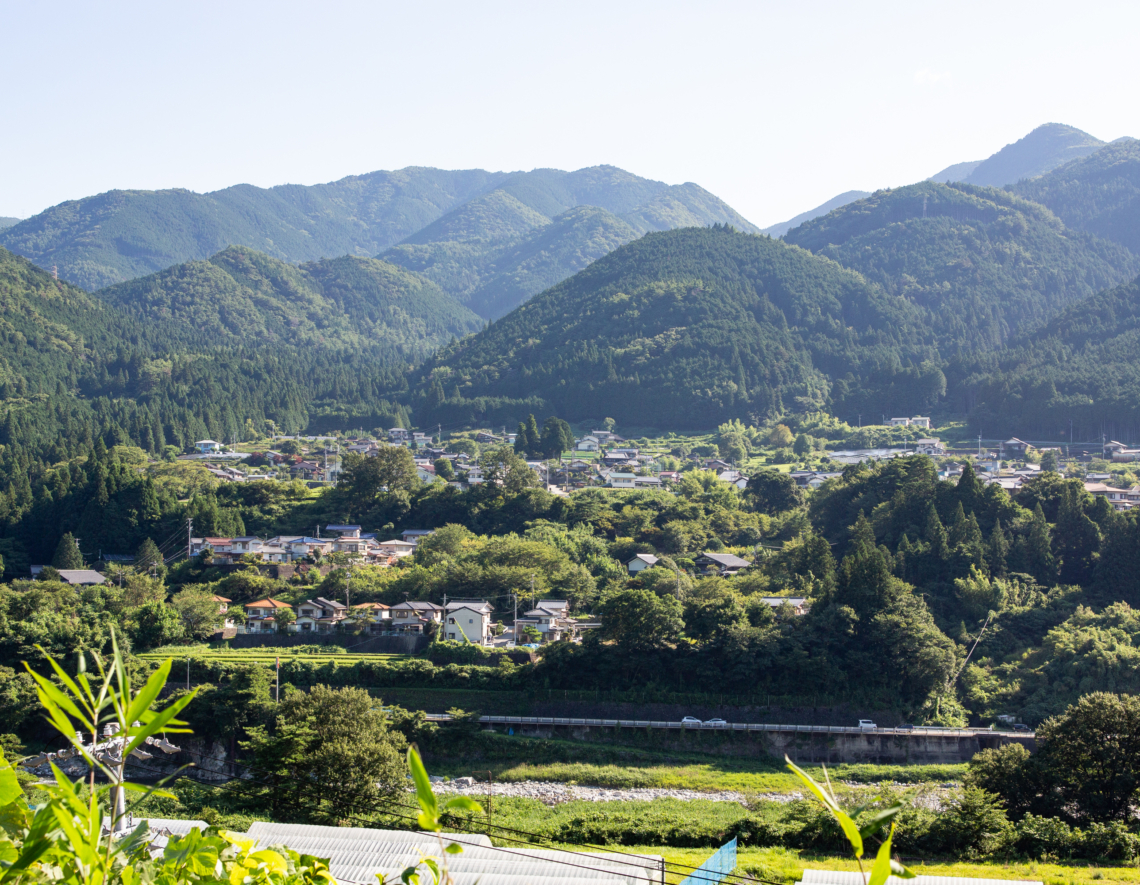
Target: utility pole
188,674
277,691
189,535
533,600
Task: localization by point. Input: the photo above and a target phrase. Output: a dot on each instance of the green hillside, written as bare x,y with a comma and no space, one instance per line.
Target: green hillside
1083,367
685,329
7,222
240,296
1099,194
73,367
987,265
121,235
497,250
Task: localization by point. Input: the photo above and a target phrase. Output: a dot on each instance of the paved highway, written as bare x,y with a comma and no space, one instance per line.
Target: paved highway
917,731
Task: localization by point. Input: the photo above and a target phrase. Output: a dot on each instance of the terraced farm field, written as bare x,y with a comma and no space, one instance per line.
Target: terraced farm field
262,656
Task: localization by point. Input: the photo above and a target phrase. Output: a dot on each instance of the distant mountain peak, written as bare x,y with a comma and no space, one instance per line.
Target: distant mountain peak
1042,150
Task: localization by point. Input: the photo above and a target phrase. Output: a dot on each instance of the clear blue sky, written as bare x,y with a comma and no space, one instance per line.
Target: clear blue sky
774,107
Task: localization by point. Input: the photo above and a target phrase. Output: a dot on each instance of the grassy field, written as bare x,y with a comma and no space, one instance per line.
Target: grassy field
515,759
265,655
787,865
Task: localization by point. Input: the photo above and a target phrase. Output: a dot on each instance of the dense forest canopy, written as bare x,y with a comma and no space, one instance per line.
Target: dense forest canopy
984,265
1099,194
687,328
241,296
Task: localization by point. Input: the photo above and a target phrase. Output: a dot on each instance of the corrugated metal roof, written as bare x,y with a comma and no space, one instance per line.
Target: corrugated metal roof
358,854
837,877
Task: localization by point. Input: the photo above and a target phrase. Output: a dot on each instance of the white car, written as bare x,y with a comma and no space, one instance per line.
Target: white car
715,723
867,725
691,721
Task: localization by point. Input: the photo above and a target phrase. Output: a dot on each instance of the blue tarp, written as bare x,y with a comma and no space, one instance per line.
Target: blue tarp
715,868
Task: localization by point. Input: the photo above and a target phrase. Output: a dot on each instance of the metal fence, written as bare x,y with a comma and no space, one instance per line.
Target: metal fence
715,868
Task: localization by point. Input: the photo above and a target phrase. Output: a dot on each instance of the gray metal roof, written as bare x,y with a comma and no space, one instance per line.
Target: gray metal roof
358,854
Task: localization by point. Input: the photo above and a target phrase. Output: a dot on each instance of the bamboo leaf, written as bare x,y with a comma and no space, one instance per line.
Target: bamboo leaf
463,803
424,794
163,721
149,692
850,829
881,871
879,819
9,786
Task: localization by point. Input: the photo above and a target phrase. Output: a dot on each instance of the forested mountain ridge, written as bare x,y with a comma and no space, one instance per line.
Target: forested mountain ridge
240,296
684,329
8,222
1082,367
121,235
74,367
986,264
535,230
1099,194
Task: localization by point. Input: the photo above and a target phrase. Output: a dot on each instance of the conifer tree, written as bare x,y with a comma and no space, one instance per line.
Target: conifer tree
997,549
67,555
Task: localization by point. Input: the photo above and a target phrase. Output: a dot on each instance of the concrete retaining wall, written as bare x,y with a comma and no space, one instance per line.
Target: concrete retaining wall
377,645
806,747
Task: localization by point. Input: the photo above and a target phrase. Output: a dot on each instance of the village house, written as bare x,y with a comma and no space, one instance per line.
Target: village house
468,620
550,617
723,564
733,477
929,446
640,563
414,536
414,617
319,615
916,421
224,608
261,616
586,444
799,604
396,548
374,617
398,435
1120,499
1120,453
208,446
622,480
1014,448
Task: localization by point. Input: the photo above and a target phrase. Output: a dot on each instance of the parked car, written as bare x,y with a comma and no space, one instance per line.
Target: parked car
867,725
692,720
715,723
906,727
1021,726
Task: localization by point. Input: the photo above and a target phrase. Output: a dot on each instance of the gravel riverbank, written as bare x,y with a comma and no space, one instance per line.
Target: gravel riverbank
555,793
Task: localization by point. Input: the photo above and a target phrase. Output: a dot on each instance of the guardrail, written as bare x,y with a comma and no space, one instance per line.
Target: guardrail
736,726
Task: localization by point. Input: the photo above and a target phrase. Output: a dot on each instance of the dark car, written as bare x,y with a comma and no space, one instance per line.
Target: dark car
1021,726
906,726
